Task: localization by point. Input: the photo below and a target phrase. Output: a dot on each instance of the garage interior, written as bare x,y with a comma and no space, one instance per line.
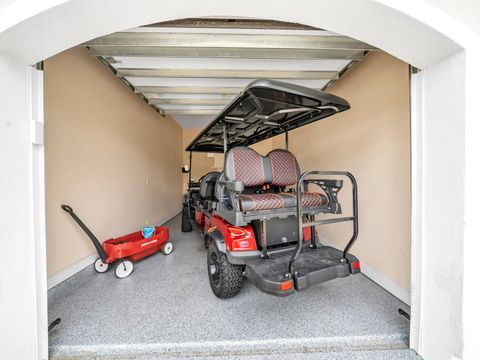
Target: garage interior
119,112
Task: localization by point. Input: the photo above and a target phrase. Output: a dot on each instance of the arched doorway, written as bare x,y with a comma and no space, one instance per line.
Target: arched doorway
36,34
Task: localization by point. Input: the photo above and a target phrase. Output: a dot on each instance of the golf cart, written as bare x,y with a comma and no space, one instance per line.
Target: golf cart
257,217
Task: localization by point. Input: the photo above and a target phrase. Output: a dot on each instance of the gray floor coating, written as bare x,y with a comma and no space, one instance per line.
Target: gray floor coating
166,308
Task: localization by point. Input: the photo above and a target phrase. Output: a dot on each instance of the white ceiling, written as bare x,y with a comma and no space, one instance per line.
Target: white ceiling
192,73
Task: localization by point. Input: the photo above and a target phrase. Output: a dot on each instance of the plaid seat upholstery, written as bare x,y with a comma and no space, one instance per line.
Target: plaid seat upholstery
253,202
245,165
278,168
309,199
268,201
284,167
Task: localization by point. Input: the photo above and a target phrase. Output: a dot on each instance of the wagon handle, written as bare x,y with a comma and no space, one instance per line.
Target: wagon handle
101,252
67,209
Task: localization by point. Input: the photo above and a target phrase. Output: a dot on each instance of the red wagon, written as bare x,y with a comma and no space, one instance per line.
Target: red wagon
125,249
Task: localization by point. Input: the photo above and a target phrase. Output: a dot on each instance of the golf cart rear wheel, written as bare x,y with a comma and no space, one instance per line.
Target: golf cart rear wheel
123,269
186,225
100,266
226,279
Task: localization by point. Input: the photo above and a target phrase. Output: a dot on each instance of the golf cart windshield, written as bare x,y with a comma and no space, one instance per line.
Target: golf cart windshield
266,108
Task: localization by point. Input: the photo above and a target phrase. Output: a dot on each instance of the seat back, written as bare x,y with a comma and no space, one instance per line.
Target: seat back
207,185
284,167
246,165
279,167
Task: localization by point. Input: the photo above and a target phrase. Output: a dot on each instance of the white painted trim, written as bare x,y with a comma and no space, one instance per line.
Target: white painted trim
386,283
38,214
168,218
71,270
379,278
417,161
78,266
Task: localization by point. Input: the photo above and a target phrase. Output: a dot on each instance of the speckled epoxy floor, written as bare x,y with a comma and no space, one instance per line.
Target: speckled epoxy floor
166,307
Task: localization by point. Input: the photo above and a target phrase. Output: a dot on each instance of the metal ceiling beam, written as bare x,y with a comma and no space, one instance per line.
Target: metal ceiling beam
189,101
227,73
192,111
225,52
152,90
231,23
247,41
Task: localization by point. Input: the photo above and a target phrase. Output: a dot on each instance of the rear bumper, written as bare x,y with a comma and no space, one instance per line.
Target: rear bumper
242,257
313,266
272,287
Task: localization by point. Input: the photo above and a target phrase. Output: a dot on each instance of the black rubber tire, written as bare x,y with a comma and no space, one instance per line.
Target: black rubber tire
186,224
229,280
206,241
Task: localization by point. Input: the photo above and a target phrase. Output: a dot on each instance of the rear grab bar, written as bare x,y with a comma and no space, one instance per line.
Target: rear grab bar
302,225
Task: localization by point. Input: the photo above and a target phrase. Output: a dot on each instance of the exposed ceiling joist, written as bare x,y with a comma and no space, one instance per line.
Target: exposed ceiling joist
152,90
192,111
246,41
193,71
227,74
229,52
189,101
231,23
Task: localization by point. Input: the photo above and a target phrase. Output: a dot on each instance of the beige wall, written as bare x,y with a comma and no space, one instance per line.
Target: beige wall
371,140
108,155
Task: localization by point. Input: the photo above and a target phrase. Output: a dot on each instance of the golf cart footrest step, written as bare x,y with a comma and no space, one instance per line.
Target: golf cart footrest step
313,266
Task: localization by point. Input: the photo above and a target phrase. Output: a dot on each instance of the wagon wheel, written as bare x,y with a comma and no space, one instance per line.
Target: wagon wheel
100,266
123,269
167,248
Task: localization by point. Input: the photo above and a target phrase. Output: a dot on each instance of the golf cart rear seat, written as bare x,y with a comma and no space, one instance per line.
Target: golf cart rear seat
260,181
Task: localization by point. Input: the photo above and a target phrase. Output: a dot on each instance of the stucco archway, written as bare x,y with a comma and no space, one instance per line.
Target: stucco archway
415,34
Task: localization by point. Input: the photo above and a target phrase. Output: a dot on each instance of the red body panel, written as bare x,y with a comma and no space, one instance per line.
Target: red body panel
236,238
134,246
239,238
199,217
306,234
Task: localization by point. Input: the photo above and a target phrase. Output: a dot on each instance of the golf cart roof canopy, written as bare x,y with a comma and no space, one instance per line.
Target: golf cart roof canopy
266,108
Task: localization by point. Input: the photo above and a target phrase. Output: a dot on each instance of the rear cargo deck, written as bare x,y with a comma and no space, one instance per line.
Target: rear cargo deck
313,266
166,309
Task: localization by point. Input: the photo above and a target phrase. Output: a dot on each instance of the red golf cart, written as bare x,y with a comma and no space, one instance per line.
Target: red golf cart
258,217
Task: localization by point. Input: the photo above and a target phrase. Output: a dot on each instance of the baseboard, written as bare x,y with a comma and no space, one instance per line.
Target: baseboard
389,285
168,218
71,270
380,279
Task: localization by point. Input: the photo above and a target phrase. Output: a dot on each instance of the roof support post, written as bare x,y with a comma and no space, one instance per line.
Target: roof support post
224,138
189,169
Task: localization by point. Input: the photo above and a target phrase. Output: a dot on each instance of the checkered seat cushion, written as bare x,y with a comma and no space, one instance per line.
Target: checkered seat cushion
277,168
309,199
267,201
285,172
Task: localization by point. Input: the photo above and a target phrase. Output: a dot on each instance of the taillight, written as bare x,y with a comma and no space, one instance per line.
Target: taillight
286,285
241,239
356,265
236,232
